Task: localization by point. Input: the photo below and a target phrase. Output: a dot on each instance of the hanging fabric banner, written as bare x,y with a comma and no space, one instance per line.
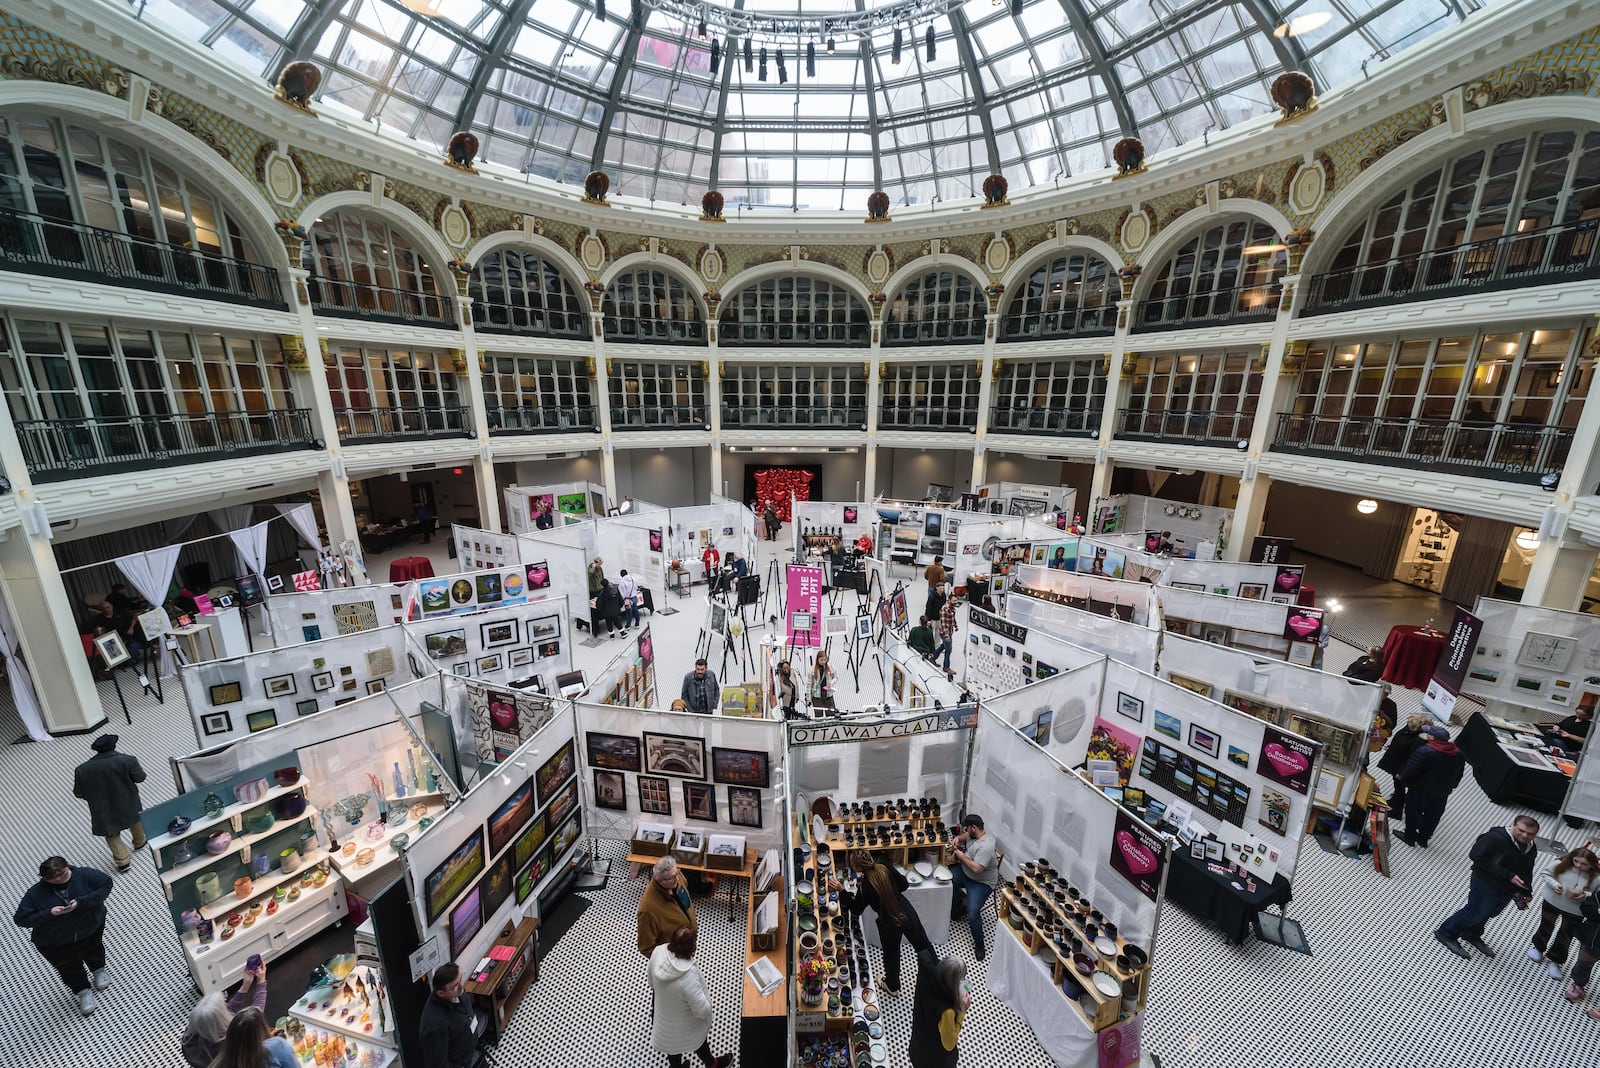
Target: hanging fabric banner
303,517
151,574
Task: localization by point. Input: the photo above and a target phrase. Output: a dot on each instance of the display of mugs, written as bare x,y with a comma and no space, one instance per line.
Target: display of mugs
208,887
242,886
289,860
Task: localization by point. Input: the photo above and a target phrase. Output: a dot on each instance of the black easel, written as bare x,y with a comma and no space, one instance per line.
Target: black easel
768,585
150,671
115,685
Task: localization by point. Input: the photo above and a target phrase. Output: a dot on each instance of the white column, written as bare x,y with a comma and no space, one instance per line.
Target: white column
483,480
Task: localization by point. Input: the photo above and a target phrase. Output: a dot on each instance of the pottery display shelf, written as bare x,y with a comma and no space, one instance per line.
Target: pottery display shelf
382,848
844,834
233,815
357,1053
238,850
216,965
852,1021
333,1012
231,903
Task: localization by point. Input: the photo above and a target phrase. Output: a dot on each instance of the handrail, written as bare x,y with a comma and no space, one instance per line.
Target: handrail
57,449
1211,306
384,424
659,417
842,417
1045,420
926,417
540,418
1514,452
363,300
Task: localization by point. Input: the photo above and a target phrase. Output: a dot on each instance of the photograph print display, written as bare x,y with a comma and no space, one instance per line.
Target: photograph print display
744,806
1130,707
215,723
307,707
672,754
260,721
322,681
226,693
655,796
510,817
740,767
555,771
519,657
614,752
1207,741
279,686
453,875
611,790
444,644
700,801
489,663
1171,726
497,633
111,649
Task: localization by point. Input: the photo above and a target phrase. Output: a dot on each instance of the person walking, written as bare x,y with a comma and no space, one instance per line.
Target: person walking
1588,951
882,889
208,1023
976,874
1432,772
664,907
445,1030
628,590
1502,872
681,1021
947,632
65,912
608,606
935,573
921,639
938,1010
935,602
1404,742
1561,892
249,1044
769,516
425,520
822,679
109,783
700,692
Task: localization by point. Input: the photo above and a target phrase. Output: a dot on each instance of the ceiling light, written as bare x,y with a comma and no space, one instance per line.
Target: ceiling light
894,52
1263,250
783,72
749,61
762,72
702,27
811,60
831,49
1312,20
1366,506
928,38
1527,540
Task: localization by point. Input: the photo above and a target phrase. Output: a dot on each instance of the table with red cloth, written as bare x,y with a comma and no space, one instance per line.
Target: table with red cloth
407,568
1409,656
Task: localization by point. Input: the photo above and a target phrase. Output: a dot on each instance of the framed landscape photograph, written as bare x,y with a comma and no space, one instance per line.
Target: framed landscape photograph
1207,741
444,644
655,796
453,875
226,693
615,752
555,771
1265,711
489,663
509,819
322,681
279,685
1192,685
307,707
740,767
497,633
260,721
520,657
672,754
1252,591
1130,707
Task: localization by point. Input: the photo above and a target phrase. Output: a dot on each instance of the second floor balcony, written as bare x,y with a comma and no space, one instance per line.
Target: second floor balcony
660,417
1053,422
542,419
351,300
59,449
1191,427
1512,452
371,426
928,417
749,416
1210,307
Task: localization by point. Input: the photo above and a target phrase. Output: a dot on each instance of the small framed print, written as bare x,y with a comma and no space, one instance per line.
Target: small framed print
655,795
226,693
897,683
347,686
463,668
700,801
1214,851
215,723
863,626
260,721
611,790
487,664
322,681
279,686
1130,707
225,601
1197,849
497,633
1329,785
741,767
544,627
1192,685
1252,591
307,707
744,806
375,686
111,649
274,583
520,657
1207,741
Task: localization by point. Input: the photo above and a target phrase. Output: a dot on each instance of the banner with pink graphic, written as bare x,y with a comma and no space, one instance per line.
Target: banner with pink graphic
803,604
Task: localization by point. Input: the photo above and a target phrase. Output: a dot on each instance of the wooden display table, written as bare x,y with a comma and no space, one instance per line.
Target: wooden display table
508,980
747,872
764,1018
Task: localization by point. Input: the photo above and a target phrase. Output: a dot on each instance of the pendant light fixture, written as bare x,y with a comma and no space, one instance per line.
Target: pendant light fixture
749,61
928,38
894,52
831,48
783,72
600,10
811,60
762,72
716,56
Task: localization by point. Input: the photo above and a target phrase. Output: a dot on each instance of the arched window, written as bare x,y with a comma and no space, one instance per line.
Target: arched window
794,308
941,307
517,291
1071,296
651,307
362,267
1227,274
1521,212
81,203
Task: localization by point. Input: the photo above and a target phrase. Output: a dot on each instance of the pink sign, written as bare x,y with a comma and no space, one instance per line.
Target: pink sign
1119,1045
803,603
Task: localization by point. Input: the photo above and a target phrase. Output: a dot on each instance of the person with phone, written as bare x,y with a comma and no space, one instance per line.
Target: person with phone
208,1023
65,912
1502,872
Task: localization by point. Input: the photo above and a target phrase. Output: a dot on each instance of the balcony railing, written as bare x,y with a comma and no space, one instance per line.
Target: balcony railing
659,417
1550,254
738,417
545,419
1054,422
373,425
1241,304
384,304
1067,322
66,249
962,330
637,331
1194,428
500,318
927,418
1511,452
57,449
756,334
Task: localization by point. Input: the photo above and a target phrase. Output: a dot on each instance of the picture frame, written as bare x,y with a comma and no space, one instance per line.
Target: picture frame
864,626
655,795
453,875
498,632
1205,740
521,657
1329,786
744,806
700,801
513,814
741,767
675,755
544,627
1130,707
215,723
262,720
1546,652
613,752
308,707
466,920
1265,711
486,664
322,682
610,790
1214,850
897,683
1192,685
111,649
279,686
1340,742
462,669
375,686
226,693
1252,591
445,644
561,766
1197,849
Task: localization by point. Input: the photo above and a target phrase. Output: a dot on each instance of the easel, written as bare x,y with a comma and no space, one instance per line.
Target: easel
855,650
768,584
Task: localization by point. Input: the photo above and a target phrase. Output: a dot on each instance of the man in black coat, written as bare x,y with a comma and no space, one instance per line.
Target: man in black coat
1502,870
1433,771
446,1027
65,912
109,782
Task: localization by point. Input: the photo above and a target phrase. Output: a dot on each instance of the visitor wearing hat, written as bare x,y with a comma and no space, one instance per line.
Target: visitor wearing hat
975,874
109,783
1433,771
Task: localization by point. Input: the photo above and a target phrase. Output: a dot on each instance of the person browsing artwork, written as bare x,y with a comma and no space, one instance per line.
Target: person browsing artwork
445,1030
664,907
975,875
700,693
1571,732
882,889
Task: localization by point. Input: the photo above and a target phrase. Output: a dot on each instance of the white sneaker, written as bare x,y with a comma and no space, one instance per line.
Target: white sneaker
86,1003
101,978
1553,970
1534,954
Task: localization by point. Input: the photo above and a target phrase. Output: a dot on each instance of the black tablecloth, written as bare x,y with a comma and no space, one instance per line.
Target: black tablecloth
374,542
1503,779
1208,896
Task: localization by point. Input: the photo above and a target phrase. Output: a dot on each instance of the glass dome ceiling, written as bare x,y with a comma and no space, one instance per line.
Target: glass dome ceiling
1032,89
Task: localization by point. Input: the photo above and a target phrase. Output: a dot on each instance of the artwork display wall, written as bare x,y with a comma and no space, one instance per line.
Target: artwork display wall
1541,659
478,549
299,617
1003,655
1189,530
534,508
1131,643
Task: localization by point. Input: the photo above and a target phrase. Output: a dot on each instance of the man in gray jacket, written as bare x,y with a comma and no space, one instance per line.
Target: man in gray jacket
109,783
700,691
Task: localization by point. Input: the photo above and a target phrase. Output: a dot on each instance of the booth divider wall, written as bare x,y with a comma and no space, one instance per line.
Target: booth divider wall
974,534
911,682
563,502
1256,625
1120,558
306,616
1129,642
1188,527
1003,655
1225,577
478,549
906,755
1541,659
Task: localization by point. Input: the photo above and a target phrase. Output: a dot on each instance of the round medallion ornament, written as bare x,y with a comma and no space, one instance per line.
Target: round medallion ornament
711,265
1135,231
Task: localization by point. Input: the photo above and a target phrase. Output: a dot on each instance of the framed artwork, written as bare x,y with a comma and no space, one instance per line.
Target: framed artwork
445,644
1207,741
274,583
655,796
497,633
111,649
672,754
279,685
380,662
154,623
226,693
496,886
260,721
897,683
744,806
555,771
311,633
1130,707
307,707
512,815
1192,587
549,649
215,723
466,920
565,802
462,669
520,657
529,841
374,685
614,752
611,790
700,801
488,588
347,686
1329,785
1265,711
1252,591
740,767
544,627
489,663
453,875
1339,741
1215,635
863,626
1168,725
322,681
1192,685
1550,652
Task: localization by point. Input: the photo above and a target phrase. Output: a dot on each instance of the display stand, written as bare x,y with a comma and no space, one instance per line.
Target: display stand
356,1010
764,1018
639,861
509,980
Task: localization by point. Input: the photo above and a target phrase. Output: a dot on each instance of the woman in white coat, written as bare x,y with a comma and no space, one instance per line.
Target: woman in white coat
682,1023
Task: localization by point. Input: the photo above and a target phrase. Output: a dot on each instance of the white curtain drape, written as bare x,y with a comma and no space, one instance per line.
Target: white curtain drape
232,517
251,544
151,575
177,528
303,517
22,692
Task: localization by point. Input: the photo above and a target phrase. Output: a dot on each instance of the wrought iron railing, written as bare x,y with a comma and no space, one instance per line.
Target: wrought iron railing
757,334
1067,322
638,331
506,318
961,330
1055,422
1549,254
360,300
57,449
541,419
66,249
1512,452
925,417
659,417
1240,304
1195,428
368,425
741,416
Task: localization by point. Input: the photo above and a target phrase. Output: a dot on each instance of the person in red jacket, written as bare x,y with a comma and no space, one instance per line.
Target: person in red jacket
712,559
1433,771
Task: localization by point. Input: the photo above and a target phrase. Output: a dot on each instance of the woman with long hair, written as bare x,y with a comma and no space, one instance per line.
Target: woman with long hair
939,1010
208,1023
1561,892
882,889
248,1044
822,677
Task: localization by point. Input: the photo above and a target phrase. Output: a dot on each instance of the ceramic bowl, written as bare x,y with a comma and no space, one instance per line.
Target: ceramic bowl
365,857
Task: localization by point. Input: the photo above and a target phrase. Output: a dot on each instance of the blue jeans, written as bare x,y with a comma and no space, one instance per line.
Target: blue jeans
630,611
942,647
977,896
1485,901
